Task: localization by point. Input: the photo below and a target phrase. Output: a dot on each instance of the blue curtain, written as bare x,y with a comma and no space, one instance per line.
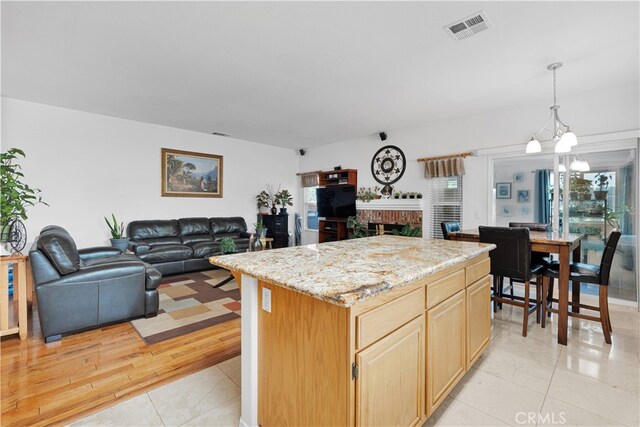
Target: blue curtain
542,204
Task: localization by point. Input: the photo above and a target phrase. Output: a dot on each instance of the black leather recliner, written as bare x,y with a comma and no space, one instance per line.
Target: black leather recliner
86,288
181,245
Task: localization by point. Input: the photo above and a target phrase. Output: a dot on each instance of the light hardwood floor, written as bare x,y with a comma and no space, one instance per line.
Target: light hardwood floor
56,383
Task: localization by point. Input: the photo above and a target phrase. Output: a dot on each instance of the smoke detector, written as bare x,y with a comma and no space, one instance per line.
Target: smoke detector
469,26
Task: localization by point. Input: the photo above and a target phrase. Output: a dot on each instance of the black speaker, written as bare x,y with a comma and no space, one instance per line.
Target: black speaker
383,136
302,151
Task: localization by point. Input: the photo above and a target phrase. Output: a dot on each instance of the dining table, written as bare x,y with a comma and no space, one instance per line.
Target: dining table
568,247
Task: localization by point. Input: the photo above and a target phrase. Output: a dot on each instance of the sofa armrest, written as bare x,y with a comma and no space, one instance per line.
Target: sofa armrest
96,273
98,252
245,235
139,246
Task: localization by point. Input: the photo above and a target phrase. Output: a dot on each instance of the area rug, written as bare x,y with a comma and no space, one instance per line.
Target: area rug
190,302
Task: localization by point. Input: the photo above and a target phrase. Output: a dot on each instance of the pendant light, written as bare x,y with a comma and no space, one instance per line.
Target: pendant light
557,131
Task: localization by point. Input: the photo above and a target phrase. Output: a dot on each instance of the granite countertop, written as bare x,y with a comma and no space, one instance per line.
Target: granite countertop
349,271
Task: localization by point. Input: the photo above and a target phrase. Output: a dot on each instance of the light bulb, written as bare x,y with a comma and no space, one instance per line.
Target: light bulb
562,146
533,146
570,138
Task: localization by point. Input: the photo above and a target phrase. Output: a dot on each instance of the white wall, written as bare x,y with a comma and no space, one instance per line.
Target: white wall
89,166
612,110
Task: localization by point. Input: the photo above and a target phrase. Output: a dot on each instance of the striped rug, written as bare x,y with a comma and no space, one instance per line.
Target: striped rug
190,302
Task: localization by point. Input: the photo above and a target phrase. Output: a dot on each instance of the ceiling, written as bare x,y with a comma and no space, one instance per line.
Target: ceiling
298,74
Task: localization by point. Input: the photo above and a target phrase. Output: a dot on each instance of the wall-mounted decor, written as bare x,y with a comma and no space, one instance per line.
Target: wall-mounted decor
503,190
524,210
523,196
518,177
189,174
506,211
388,166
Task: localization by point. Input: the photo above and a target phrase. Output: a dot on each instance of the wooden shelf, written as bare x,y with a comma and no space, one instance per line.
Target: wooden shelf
337,226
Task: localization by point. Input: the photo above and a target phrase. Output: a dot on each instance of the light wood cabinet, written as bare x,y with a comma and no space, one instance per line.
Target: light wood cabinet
478,318
390,385
446,341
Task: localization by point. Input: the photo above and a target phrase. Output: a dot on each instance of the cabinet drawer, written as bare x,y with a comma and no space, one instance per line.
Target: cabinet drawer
376,323
478,270
442,289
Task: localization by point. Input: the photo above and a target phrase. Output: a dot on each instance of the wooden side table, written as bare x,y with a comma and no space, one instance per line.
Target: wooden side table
19,294
264,241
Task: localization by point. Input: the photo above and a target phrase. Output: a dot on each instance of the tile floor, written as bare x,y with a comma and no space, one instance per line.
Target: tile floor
517,381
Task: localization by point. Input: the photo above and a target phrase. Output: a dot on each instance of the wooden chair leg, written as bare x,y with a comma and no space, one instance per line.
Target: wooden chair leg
604,314
545,289
539,298
525,316
501,289
550,294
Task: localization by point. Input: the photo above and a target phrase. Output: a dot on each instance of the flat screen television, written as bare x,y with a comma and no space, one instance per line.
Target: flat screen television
336,201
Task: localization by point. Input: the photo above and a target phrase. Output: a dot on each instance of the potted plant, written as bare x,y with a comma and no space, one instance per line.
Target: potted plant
408,231
376,191
263,202
397,194
365,195
419,196
412,195
356,228
117,234
15,195
405,195
580,188
602,184
227,245
284,199
261,230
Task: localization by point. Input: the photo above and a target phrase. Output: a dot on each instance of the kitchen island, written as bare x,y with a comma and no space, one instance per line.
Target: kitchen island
371,331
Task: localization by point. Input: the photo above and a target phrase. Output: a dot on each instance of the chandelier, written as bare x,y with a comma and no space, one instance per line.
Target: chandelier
554,130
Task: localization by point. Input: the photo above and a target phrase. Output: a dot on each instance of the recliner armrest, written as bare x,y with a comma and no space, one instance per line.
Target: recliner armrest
98,252
245,235
139,246
101,272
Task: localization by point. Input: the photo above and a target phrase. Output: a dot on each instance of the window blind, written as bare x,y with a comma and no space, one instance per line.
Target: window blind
445,203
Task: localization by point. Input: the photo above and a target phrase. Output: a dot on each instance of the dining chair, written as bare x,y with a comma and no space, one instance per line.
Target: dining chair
586,273
543,258
512,259
449,227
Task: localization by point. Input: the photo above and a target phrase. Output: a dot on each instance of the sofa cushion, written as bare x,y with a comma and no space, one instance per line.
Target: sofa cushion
110,260
164,241
60,250
234,236
193,226
228,225
166,253
205,249
153,229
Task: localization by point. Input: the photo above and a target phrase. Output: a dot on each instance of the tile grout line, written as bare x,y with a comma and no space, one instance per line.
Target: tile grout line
155,409
546,393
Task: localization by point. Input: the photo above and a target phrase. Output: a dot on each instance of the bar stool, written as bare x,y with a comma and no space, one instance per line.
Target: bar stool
512,258
586,273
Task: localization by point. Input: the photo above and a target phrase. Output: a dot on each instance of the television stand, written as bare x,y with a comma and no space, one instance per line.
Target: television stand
332,230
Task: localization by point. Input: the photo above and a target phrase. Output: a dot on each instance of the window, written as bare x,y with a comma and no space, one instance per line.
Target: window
310,209
445,200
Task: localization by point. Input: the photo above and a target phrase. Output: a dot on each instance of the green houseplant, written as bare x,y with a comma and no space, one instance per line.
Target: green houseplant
15,195
407,231
263,201
356,228
261,230
227,245
284,199
117,233
602,185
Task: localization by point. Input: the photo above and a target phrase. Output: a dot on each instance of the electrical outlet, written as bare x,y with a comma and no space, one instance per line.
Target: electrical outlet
266,299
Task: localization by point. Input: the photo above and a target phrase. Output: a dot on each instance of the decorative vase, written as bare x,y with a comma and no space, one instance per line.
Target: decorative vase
257,245
263,210
262,233
283,211
121,244
274,210
600,195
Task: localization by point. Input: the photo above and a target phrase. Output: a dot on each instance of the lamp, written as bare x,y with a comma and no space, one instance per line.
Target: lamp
578,165
558,132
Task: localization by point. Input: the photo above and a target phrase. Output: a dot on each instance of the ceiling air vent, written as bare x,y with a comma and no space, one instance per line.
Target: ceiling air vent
469,26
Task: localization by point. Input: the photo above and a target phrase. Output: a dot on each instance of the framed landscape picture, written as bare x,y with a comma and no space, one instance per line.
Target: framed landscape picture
189,174
503,190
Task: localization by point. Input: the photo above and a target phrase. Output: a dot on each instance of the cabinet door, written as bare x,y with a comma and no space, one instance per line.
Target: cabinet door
478,318
390,383
446,341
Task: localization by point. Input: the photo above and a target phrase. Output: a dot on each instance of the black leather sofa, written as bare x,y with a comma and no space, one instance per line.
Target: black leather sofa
87,288
181,245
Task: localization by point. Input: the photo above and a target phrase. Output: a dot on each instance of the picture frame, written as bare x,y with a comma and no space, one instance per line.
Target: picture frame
191,174
518,177
523,196
524,210
506,211
503,190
